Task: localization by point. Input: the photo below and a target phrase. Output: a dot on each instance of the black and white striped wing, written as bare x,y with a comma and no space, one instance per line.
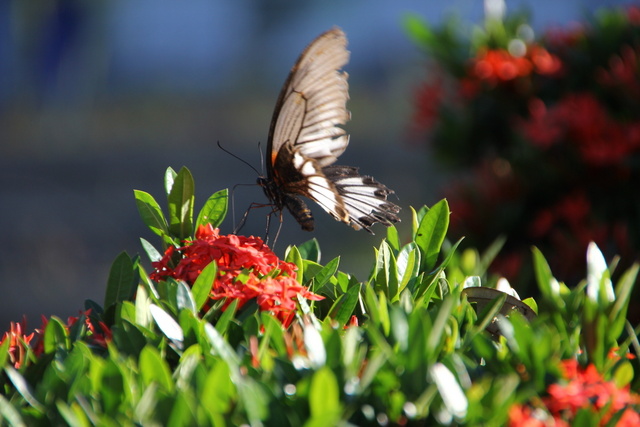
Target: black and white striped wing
306,138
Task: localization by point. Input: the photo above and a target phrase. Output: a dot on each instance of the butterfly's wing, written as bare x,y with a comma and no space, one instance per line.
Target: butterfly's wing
306,138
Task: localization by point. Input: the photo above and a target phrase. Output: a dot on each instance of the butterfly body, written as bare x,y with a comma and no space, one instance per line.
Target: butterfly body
305,139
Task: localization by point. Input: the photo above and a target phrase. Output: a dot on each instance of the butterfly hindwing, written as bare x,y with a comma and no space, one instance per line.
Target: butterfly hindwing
306,138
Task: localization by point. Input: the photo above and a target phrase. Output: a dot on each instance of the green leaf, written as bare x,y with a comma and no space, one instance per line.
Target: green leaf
385,275
112,386
431,234
292,254
618,314
122,280
214,210
150,250
324,275
151,213
344,306
55,336
324,398
4,352
310,250
180,200
169,178
223,349
184,298
218,392
9,413
546,282
167,324
203,284
393,238
408,265
23,388
153,368
227,315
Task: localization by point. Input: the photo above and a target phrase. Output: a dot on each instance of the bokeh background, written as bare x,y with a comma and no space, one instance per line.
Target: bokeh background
98,98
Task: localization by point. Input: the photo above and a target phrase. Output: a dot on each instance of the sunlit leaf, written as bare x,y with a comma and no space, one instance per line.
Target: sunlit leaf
599,286
343,309
324,396
184,297
150,250
169,178
180,200
214,210
167,324
151,213
23,388
450,391
431,233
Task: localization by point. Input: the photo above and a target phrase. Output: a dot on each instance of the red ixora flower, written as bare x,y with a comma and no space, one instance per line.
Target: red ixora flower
247,269
583,388
18,342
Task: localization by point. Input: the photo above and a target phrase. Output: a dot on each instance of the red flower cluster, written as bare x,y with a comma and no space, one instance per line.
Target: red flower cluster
563,114
247,269
98,334
496,65
18,342
581,121
584,389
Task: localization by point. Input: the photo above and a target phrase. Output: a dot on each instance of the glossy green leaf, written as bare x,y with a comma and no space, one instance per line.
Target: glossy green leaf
431,234
322,277
222,348
153,368
169,178
151,213
203,284
408,266
122,280
180,201
56,336
150,250
292,254
167,324
184,298
214,210
343,309
310,250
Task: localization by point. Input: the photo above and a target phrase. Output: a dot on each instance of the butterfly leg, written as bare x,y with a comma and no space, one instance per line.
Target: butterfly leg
243,220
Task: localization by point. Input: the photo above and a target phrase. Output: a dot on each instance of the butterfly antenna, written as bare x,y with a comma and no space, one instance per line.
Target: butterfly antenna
237,157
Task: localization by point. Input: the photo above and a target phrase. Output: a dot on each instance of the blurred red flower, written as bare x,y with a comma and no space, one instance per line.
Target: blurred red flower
18,342
582,389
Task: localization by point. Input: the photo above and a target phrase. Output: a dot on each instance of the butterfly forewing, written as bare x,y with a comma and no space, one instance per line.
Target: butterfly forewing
306,138
312,104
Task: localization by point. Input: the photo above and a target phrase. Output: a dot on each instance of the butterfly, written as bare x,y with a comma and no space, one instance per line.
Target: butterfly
306,138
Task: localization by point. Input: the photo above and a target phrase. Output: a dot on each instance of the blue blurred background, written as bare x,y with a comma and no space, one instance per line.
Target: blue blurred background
98,97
